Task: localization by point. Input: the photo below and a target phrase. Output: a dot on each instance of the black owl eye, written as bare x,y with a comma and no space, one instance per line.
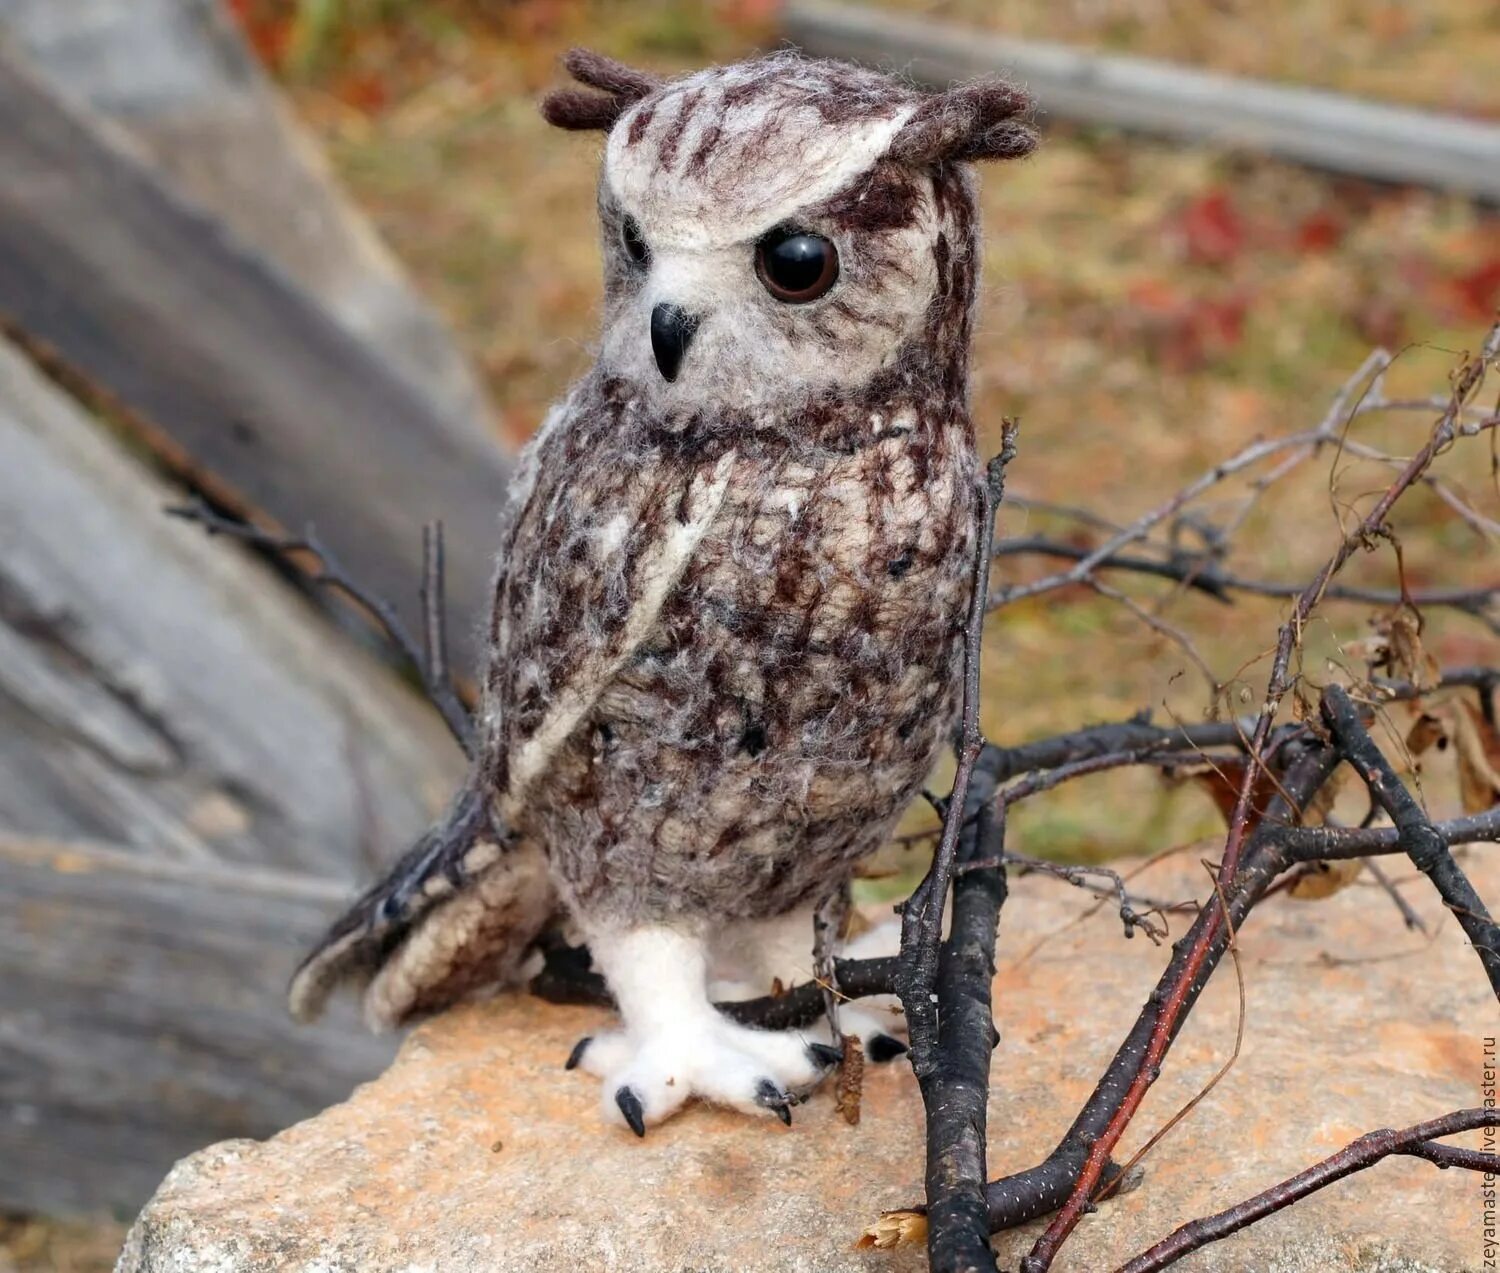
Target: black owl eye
634,245
796,266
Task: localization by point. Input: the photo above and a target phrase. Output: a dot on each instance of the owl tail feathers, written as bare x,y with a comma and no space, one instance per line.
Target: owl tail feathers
455,919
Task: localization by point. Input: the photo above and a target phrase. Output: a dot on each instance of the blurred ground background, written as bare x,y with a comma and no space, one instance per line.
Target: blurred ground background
1148,308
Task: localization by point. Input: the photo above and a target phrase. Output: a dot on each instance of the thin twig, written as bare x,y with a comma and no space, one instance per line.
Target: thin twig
1027,1195
1076,875
429,659
434,607
1204,574
1408,913
1220,1074
1247,457
1369,1149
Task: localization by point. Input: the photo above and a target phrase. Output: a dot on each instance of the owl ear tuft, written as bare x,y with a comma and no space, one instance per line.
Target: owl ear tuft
620,87
985,119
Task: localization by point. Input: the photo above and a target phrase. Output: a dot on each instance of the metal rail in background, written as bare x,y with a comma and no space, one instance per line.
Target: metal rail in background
1322,129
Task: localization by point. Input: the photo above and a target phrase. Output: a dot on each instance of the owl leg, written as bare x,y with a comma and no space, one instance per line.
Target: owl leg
752,956
675,1045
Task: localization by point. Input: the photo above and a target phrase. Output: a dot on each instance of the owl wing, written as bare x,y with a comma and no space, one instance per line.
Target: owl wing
589,558
591,568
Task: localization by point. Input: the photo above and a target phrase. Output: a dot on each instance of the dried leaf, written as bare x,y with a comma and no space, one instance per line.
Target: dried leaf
850,1087
1324,879
1211,230
1222,782
1427,731
1406,658
894,1229
1318,809
1478,748
1396,647
1373,650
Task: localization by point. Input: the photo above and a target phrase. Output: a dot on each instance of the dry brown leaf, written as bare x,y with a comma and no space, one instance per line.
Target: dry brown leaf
1320,808
1222,782
1405,655
1373,650
1426,732
894,1229
1478,748
857,923
1395,647
850,1087
1324,879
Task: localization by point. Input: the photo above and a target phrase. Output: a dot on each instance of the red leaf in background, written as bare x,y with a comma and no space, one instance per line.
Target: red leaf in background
1182,331
1319,232
749,13
365,92
1479,290
1379,320
1203,330
1219,323
269,33
1211,230
1154,295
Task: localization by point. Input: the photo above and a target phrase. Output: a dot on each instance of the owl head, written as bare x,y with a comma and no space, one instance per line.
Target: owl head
786,228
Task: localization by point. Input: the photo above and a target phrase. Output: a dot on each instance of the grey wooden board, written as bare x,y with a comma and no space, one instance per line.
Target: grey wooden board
141,1018
139,293
165,691
176,75
1318,128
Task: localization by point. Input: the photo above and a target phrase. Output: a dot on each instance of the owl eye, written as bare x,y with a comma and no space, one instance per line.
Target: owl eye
796,266
631,240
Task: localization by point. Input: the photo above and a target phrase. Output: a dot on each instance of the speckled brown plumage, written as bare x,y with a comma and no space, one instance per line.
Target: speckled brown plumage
726,640
794,690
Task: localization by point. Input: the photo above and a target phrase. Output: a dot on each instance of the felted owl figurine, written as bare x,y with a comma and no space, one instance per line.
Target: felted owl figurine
726,639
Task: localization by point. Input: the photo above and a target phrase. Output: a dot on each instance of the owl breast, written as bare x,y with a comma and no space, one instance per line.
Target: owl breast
792,692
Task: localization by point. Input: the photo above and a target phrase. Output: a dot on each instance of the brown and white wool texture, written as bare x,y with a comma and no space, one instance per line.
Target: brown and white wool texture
726,640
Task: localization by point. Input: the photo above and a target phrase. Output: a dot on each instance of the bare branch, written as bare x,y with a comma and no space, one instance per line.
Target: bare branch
1306,443
1369,1149
950,1054
1204,574
1180,994
429,660
1415,833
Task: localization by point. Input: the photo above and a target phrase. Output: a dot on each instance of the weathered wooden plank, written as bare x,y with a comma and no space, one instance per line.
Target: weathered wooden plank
1313,127
141,1018
239,376
177,77
168,692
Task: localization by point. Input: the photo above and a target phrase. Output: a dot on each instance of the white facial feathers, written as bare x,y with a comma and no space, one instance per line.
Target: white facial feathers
710,163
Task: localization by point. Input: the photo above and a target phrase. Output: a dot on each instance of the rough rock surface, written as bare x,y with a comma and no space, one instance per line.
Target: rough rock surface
476,1151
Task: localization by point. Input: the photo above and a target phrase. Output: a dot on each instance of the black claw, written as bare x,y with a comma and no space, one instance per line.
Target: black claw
886,1047
824,1055
775,1100
576,1055
630,1106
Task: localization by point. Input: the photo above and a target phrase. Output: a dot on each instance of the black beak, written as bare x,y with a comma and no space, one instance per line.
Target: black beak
672,331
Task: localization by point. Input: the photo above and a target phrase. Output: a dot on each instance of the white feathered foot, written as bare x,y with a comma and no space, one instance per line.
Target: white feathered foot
674,1045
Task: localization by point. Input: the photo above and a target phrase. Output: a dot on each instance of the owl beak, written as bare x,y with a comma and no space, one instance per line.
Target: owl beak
672,331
